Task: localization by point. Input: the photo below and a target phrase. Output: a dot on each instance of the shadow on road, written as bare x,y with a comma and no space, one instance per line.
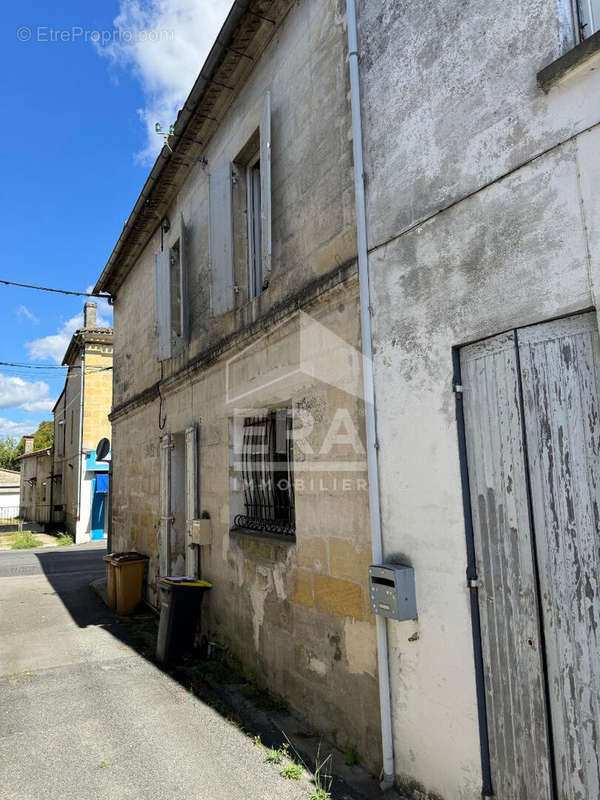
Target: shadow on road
217,682
69,570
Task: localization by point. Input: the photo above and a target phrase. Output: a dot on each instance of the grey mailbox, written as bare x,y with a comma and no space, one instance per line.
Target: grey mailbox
392,591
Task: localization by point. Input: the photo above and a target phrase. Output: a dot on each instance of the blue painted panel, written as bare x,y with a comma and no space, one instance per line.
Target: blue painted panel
98,504
92,465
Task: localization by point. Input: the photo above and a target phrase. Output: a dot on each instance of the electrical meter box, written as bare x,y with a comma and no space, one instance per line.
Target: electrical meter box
392,591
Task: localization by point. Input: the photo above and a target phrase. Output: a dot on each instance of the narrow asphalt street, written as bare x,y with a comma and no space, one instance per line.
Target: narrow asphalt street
82,715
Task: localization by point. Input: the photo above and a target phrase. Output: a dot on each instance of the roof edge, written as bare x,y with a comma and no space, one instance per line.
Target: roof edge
209,68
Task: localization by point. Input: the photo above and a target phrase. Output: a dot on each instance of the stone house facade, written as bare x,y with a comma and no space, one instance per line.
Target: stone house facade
35,483
80,421
237,407
237,312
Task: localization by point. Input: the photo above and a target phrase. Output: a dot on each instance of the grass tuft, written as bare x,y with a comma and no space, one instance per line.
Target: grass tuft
24,540
273,756
63,539
323,777
292,771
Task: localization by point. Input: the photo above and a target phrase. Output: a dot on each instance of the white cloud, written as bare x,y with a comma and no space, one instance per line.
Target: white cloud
17,429
24,313
55,345
164,43
32,396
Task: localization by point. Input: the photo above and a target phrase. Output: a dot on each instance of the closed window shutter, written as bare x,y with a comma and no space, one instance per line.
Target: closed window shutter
221,239
191,496
165,522
265,188
163,304
589,17
184,304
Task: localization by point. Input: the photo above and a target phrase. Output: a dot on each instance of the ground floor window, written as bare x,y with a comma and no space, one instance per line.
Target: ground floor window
268,474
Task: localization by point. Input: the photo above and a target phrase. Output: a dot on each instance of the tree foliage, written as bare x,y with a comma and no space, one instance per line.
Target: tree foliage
8,453
43,438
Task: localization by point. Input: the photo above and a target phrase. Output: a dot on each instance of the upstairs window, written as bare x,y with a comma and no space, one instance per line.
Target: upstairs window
171,298
223,226
589,17
175,290
255,270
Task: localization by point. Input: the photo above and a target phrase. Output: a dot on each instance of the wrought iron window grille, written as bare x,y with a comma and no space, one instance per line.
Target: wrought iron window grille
267,474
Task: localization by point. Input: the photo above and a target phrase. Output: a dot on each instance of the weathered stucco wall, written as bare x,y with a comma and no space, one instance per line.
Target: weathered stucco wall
454,120
451,101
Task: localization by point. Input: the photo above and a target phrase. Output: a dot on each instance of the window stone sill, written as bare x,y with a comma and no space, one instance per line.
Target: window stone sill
551,74
272,537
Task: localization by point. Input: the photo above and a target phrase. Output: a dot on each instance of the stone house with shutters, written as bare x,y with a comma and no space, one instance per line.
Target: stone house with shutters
238,419
35,486
238,394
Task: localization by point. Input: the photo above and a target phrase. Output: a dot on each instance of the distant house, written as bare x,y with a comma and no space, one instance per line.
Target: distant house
80,421
35,495
10,483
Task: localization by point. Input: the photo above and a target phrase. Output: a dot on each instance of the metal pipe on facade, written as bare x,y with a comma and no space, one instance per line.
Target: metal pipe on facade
369,391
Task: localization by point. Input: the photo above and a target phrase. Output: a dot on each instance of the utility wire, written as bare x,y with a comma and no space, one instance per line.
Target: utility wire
59,291
50,366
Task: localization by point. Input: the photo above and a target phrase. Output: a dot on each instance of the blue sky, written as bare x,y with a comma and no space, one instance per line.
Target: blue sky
83,85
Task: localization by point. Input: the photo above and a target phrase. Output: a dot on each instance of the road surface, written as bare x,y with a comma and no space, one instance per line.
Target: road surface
82,715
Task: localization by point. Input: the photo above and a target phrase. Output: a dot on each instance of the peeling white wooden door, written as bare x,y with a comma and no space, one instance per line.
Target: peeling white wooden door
513,670
560,367
532,425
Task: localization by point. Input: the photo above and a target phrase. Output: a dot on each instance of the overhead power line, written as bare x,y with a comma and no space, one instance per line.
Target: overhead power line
51,366
59,291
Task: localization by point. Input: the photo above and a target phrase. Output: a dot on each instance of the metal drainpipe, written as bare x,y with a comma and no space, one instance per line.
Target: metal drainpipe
369,392
79,467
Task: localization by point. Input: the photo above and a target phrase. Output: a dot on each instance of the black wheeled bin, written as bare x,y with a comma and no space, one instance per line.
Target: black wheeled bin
180,602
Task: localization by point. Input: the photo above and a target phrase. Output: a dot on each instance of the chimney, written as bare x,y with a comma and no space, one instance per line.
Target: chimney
29,443
89,315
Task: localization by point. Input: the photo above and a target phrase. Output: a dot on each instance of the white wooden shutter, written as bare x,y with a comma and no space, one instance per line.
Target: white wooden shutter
181,341
265,188
162,293
221,239
166,518
191,497
589,17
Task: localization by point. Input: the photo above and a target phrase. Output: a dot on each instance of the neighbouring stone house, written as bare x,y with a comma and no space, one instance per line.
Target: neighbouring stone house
35,499
237,369
482,163
80,421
